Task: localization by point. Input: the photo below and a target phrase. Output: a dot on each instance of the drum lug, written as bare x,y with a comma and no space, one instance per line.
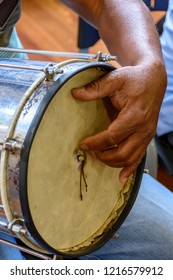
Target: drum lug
16,226
12,145
51,70
104,57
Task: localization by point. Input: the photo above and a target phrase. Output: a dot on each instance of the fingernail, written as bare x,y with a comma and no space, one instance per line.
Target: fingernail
78,90
81,88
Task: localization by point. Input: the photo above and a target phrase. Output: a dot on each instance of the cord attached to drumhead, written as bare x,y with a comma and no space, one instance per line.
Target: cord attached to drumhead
81,157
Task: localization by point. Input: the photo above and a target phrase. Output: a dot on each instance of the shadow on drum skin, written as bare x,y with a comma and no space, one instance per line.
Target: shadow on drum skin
111,110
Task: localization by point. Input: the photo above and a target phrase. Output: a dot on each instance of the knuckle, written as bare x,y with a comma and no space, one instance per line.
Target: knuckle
140,119
93,86
125,162
125,159
128,161
111,140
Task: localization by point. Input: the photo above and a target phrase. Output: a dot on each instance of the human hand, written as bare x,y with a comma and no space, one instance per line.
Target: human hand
136,92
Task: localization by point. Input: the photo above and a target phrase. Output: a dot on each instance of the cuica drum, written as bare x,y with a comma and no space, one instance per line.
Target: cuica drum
54,197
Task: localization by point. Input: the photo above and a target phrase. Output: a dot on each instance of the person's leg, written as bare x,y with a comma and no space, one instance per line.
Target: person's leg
147,233
8,252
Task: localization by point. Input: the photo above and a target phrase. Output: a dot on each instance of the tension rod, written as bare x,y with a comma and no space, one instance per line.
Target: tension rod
99,56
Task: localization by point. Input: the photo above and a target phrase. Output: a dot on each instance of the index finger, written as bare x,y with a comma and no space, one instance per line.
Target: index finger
120,129
101,141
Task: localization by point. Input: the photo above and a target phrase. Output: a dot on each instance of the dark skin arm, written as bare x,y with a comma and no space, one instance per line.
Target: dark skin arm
136,90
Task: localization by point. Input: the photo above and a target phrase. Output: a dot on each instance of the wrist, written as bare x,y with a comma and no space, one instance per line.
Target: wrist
156,68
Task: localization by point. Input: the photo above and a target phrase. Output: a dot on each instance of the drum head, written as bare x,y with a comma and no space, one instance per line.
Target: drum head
55,173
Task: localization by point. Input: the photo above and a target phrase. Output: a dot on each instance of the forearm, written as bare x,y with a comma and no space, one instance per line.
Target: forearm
126,27
132,36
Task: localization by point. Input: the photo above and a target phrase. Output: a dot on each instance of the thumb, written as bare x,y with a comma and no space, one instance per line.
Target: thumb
100,88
